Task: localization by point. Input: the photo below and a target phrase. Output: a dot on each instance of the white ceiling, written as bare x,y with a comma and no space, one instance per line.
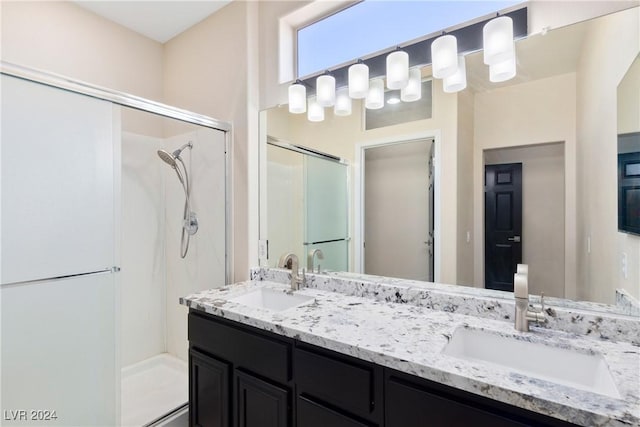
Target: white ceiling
157,19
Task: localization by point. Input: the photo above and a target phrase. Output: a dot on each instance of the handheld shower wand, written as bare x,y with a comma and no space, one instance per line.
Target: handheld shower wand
190,221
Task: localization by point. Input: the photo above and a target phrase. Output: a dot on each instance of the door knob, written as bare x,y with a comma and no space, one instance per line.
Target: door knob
515,239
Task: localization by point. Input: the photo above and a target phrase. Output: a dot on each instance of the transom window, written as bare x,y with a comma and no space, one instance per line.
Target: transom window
374,25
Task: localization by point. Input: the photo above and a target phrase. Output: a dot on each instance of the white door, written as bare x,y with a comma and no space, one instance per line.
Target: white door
57,293
397,211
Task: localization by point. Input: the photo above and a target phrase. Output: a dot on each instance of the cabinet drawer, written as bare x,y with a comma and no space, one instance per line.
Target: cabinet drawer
260,354
312,414
338,381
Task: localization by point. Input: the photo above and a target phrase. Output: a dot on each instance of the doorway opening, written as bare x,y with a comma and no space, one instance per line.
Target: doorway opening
398,194
524,217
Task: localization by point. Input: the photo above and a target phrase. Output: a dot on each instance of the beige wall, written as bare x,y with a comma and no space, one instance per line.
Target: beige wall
538,112
627,99
63,38
600,69
465,256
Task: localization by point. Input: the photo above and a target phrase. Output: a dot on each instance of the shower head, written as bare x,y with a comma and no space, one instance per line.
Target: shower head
168,158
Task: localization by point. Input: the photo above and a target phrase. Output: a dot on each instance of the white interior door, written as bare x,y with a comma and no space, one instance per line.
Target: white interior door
397,210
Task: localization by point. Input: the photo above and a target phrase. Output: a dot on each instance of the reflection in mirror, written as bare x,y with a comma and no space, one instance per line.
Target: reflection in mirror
629,178
307,206
554,122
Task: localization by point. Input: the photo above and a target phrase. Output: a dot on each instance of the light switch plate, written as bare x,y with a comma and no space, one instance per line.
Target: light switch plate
263,249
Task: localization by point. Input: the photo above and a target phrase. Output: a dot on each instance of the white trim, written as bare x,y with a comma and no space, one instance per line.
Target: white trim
358,226
114,96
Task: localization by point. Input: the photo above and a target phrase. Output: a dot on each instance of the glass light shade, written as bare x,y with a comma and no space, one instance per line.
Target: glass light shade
358,81
503,71
343,103
397,69
375,96
444,56
315,111
457,81
497,40
413,90
326,90
297,98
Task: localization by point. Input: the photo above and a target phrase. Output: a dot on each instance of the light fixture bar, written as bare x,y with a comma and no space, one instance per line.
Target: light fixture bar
469,39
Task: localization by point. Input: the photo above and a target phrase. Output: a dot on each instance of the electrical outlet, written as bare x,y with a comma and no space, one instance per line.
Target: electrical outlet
263,249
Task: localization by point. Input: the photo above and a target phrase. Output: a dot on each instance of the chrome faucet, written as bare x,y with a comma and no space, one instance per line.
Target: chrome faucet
523,314
311,259
290,260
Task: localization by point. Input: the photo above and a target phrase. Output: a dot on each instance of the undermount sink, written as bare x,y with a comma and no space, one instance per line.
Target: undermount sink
559,365
272,299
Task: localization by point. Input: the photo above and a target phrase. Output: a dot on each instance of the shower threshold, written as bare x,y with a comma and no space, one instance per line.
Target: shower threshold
153,388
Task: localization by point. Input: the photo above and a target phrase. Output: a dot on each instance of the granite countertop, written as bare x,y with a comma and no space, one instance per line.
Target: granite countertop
411,338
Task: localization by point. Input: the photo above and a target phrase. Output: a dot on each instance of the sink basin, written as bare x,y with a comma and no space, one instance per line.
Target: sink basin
272,299
559,365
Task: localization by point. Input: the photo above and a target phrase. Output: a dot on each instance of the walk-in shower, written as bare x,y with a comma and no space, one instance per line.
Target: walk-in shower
115,349
189,218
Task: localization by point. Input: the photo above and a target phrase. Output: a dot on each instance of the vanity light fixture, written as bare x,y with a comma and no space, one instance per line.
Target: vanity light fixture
413,90
343,102
444,56
457,81
358,80
394,100
503,71
315,111
297,98
375,96
326,90
397,69
497,40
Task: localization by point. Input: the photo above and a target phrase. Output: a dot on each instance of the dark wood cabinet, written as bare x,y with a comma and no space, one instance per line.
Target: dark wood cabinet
344,382
208,391
315,414
241,376
259,403
415,402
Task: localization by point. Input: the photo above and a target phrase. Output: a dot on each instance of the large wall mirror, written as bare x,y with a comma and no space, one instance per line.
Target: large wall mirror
429,199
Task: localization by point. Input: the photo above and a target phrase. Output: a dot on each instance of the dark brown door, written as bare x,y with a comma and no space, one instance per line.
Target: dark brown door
260,404
502,224
208,391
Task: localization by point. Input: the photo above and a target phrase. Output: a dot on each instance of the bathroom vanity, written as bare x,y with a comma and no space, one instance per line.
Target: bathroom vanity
343,359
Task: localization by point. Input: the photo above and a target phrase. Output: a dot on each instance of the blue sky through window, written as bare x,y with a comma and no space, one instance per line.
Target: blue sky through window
374,25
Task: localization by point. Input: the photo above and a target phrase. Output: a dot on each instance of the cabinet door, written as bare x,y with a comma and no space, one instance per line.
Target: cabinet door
409,405
312,414
260,404
208,392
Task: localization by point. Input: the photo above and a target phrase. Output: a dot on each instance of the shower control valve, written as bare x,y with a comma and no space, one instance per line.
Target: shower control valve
191,224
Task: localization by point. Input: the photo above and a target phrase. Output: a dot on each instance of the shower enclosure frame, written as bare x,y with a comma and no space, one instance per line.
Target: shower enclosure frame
142,104
127,100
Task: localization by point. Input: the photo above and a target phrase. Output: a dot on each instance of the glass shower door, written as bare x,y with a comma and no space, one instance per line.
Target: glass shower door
326,212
